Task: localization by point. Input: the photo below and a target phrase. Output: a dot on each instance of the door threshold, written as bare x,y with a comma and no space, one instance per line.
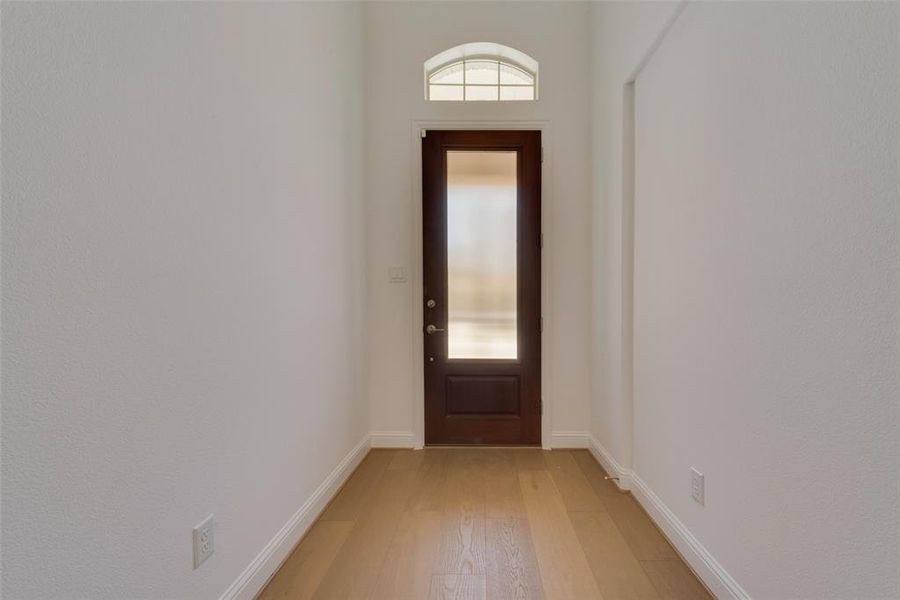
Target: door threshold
484,446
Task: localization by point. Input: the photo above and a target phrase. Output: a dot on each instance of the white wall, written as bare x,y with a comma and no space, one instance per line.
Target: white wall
622,35
399,38
181,285
767,291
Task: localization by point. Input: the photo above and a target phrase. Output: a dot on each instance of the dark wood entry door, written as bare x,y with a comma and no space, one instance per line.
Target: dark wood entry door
481,201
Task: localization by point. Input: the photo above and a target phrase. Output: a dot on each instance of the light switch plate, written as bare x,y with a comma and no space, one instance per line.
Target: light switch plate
397,274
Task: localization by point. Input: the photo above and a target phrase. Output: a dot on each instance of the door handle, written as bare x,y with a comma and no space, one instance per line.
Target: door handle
429,329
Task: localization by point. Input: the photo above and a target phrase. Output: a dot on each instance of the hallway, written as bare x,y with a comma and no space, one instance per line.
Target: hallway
256,253
483,523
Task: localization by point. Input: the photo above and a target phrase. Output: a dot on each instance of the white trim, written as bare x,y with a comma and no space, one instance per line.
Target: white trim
707,568
570,439
610,464
417,127
481,49
261,568
392,439
626,277
714,576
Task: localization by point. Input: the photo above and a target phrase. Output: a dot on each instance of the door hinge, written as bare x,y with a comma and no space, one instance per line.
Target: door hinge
542,154
423,132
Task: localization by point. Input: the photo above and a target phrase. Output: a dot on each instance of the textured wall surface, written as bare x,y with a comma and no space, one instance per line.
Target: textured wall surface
767,291
181,285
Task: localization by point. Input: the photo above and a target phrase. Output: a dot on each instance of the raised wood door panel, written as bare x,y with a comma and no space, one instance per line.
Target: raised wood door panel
481,200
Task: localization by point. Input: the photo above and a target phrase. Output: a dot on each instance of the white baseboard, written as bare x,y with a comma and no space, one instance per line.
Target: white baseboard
610,464
570,439
248,584
704,564
392,439
717,579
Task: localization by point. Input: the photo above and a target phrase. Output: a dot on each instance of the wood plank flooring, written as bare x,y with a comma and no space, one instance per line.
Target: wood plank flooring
483,524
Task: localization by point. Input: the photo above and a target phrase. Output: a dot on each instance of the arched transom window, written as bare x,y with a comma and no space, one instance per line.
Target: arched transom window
481,71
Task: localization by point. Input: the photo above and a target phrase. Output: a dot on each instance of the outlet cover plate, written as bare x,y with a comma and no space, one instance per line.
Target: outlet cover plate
697,487
204,541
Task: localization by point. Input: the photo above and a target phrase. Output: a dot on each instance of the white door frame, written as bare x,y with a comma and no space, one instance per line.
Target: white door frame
417,288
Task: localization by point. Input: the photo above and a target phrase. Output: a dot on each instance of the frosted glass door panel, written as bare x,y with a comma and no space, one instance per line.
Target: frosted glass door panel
481,254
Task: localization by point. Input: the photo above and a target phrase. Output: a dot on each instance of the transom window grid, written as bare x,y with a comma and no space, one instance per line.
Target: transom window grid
481,79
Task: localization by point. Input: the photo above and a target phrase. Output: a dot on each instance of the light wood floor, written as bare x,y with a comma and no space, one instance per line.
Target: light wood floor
491,524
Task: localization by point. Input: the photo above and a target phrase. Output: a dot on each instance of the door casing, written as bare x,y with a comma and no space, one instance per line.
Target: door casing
416,272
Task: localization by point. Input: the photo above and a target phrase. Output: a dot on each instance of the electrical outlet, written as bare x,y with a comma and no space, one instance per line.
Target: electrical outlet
697,486
204,542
